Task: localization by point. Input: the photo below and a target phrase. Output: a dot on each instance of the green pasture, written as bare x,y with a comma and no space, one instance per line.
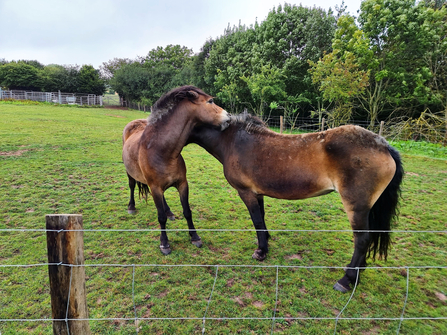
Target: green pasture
68,160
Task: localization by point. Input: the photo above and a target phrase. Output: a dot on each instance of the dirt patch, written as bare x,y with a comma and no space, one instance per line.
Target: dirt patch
12,153
258,304
116,107
296,256
239,301
118,116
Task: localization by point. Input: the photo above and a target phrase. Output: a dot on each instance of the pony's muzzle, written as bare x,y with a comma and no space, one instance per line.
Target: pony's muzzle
226,121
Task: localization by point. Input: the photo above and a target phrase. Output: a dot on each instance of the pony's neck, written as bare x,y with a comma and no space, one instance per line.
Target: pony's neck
171,134
210,139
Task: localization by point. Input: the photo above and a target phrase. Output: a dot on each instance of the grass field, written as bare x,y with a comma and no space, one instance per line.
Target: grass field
68,160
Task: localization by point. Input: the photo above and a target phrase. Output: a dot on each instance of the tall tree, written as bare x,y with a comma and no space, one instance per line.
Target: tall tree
286,40
89,81
20,76
108,68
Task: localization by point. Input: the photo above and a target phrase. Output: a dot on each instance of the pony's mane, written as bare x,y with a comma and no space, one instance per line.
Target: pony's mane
167,103
252,124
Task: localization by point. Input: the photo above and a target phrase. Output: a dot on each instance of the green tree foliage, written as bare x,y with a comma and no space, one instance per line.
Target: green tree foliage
282,44
33,76
401,33
148,78
343,74
131,81
400,47
108,68
174,57
89,81
199,76
20,76
268,85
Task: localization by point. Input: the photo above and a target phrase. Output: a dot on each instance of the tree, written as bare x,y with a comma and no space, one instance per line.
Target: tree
174,57
289,37
55,78
108,69
20,76
131,81
340,80
89,81
199,76
399,40
266,87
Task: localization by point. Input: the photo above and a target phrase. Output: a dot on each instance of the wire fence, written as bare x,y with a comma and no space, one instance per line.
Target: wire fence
53,97
274,318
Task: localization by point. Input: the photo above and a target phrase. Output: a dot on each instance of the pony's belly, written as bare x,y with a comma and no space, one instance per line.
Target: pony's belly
296,189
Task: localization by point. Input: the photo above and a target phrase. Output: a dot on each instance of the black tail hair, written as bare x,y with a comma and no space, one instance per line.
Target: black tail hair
143,190
385,210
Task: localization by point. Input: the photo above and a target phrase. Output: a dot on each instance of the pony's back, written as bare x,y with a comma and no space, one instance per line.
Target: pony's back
133,127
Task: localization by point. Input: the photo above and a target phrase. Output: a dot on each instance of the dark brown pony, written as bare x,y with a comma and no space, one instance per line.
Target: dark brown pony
358,164
151,150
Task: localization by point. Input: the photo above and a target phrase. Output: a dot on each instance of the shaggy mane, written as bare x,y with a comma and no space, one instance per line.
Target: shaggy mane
252,124
167,103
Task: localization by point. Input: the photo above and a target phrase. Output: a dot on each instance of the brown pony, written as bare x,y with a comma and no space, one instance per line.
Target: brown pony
358,164
151,150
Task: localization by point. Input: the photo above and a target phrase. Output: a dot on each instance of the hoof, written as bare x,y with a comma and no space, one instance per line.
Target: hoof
165,250
171,217
339,287
259,255
132,211
197,243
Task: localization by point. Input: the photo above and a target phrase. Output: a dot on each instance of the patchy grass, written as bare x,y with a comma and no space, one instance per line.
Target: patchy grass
68,160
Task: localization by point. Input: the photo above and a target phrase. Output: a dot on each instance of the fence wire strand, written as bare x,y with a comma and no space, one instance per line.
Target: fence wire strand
274,318
405,302
349,300
224,230
209,301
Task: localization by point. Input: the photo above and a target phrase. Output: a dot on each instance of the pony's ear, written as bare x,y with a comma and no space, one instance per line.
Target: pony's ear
191,95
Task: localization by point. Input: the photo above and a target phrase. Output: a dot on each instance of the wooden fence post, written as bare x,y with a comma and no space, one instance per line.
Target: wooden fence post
322,124
381,128
281,124
67,283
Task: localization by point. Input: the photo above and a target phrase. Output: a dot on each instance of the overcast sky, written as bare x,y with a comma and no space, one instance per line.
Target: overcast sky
94,31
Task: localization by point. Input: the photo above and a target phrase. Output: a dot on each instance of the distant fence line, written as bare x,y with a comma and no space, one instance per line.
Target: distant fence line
55,97
397,130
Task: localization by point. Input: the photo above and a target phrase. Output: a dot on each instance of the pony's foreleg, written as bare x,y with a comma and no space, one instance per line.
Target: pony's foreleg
183,191
253,205
359,221
168,211
131,206
157,195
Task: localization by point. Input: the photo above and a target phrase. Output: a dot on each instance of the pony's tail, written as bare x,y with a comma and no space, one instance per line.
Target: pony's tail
385,210
143,190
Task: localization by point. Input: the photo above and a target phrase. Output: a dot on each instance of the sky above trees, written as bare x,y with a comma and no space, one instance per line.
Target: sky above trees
94,31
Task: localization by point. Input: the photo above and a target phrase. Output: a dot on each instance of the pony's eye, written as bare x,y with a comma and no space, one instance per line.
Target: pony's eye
211,101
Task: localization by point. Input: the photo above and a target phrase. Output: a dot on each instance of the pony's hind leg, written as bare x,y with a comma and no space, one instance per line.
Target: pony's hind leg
131,206
168,211
157,195
183,191
359,221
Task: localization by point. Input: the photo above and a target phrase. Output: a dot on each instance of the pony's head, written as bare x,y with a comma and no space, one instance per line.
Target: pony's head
192,100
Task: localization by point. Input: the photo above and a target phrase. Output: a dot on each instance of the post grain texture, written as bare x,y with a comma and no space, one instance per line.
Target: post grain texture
67,283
